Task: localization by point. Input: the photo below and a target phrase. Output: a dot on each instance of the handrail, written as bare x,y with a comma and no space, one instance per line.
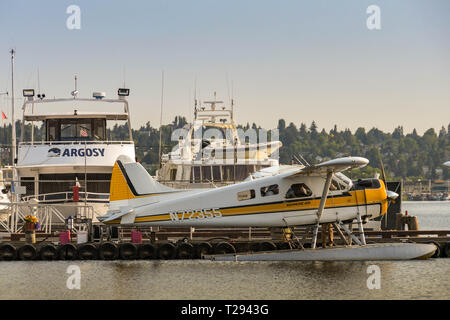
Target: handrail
80,142
68,196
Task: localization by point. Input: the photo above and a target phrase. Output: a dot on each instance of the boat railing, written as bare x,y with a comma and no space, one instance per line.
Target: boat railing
67,196
49,216
79,142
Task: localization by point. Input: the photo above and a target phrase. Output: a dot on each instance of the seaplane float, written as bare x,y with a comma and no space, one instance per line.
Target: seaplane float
280,196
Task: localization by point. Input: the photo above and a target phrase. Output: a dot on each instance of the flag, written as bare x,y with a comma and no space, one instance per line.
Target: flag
4,115
83,133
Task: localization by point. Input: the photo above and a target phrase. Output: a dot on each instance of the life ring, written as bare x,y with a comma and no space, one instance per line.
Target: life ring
87,251
146,251
185,250
67,251
108,251
48,252
167,251
224,248
7,252
27,252
202,249
128,251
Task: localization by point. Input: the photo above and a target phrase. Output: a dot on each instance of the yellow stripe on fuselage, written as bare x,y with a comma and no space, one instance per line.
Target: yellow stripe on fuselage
359,197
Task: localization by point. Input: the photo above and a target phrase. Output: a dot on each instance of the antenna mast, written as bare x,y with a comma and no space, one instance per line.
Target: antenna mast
12,109
160,118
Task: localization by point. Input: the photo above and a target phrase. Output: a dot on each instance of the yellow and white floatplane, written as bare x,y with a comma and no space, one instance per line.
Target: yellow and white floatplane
279,196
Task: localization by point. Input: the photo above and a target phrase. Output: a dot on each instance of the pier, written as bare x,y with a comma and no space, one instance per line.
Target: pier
184,243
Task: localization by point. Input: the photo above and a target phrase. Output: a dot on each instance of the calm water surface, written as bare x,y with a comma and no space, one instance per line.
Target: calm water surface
237,280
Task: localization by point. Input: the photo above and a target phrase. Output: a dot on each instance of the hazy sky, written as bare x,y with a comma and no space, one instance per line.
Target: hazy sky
297,60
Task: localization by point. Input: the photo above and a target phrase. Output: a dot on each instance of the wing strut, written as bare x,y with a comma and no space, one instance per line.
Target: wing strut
326,189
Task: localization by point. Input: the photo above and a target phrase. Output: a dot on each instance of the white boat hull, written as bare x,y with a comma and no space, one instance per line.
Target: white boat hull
382,251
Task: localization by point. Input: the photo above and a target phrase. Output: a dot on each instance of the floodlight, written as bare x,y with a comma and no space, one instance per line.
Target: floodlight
28,92
122,92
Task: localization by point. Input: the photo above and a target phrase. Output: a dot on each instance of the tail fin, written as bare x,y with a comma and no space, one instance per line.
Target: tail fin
130,180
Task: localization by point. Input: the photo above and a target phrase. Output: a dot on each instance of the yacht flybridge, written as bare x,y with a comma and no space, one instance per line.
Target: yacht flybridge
75,150
210,152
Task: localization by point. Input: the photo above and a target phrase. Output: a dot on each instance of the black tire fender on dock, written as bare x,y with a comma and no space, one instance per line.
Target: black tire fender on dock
224,247
185,250
254,246
108,251
128,251
87,251
446,250
7,252
203,248
437,253
284,245
67,251
146,251
48,252
267,246
27,252
167,251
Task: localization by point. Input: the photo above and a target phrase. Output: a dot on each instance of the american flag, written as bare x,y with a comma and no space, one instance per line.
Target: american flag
83,132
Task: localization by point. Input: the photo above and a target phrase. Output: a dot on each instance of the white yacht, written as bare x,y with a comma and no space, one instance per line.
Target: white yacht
75,151
210,152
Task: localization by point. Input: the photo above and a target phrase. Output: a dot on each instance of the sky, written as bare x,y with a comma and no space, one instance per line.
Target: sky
296,60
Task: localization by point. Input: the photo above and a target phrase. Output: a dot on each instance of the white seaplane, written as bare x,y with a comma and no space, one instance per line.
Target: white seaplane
280,196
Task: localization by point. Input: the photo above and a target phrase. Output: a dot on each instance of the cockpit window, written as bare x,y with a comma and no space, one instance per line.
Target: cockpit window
366,184
270,190
298,190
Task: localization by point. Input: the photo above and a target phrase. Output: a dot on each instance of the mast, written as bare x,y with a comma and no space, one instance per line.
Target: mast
160,117
12,111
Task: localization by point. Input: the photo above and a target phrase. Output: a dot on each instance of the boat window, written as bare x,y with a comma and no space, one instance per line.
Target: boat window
76,129
99,129
52,130
216,173
298,190
28,183
206,173
196,174
173,174
246,195
243,171
270,190
62,182
228,173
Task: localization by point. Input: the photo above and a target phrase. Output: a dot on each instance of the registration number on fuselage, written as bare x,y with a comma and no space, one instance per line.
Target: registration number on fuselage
195,214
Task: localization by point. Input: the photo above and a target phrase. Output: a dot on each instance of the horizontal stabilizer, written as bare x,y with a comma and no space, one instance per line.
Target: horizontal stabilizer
116,214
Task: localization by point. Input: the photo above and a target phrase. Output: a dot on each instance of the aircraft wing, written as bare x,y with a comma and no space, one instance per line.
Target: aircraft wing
335,165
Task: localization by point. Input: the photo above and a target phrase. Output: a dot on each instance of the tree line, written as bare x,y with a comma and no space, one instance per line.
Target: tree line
404,155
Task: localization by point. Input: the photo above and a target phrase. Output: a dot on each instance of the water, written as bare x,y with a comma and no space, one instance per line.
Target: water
237,280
